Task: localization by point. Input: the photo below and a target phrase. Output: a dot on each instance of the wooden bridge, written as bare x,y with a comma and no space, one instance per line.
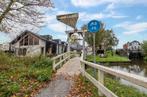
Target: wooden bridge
74,65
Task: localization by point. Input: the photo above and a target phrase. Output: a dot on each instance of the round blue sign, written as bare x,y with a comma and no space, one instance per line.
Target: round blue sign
94,26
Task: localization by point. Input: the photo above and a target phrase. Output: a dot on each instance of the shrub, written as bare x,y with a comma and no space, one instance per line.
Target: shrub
145,59
43,62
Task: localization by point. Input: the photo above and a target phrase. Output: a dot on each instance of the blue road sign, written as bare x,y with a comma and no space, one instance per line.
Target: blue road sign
94,26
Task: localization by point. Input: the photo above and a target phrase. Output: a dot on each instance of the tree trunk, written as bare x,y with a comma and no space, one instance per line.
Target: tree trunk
8,8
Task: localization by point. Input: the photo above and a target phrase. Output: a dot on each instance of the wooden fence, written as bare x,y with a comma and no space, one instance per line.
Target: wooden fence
59,60
102,90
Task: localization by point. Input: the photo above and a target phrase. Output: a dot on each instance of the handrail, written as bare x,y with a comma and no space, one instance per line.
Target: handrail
138,80
61,59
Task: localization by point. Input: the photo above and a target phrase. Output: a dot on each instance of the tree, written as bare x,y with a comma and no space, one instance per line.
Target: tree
104,37
144,47
21,13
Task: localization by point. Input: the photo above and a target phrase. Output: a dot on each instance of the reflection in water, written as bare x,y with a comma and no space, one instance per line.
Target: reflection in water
135,67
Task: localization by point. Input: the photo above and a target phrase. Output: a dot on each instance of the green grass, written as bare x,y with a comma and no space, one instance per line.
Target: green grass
109,58
21,76
115,86
145,59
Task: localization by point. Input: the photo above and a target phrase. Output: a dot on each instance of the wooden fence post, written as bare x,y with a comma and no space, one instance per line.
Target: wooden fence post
54,68
101,80
69,54
83,68
60,59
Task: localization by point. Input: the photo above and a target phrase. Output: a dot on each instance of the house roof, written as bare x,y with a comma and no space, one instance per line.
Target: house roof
25,32
134,42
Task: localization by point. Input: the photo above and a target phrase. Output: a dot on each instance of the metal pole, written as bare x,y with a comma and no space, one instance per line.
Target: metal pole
94,48
94,54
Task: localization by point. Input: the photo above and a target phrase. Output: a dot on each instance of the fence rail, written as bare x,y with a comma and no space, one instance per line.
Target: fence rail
62,58
138,80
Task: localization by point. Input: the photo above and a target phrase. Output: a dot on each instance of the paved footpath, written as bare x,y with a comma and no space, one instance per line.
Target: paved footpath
61,84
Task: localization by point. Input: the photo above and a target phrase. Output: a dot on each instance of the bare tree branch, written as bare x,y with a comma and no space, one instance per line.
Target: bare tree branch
21,12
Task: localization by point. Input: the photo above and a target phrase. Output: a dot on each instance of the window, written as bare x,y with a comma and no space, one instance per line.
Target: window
22,51
21,42
36,41
30,40
26,40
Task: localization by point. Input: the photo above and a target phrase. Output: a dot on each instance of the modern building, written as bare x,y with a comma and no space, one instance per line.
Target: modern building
30,44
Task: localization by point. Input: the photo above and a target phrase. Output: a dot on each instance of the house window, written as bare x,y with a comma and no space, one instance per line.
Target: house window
21,42
36,41
22,51
30,40
26,40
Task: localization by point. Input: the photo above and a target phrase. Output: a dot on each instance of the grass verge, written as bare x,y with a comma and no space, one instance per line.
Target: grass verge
114,85
110,58
20,77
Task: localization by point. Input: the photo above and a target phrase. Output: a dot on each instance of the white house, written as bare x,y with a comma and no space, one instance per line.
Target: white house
30,44
134,46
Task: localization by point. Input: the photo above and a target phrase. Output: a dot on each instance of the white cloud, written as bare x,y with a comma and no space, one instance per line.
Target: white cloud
131,28
89,3
84,16
110,7
84,3
57,27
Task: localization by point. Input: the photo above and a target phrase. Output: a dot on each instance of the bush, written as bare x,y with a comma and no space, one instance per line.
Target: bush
43,62
40,74
145,58
44,75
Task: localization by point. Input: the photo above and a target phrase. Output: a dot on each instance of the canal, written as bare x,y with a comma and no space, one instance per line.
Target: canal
135,67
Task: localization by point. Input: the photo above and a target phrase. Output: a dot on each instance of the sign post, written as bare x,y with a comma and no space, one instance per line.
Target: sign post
93,27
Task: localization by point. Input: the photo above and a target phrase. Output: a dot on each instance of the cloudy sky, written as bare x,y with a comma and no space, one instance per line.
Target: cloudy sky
127,18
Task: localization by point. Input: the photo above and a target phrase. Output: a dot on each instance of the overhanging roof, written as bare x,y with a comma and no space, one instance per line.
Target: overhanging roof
69,19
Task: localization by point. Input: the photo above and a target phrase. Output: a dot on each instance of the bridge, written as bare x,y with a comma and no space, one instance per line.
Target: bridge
69,64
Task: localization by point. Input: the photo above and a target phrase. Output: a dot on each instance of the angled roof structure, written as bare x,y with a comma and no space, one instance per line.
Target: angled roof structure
26,32
69,19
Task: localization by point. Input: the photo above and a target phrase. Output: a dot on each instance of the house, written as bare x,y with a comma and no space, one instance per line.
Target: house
30,44
61,46
133,49
134,46
125,46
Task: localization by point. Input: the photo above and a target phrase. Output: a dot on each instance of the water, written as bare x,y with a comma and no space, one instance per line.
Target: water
135,67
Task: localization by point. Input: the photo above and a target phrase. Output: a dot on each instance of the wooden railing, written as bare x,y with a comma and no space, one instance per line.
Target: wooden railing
62,58
99,83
